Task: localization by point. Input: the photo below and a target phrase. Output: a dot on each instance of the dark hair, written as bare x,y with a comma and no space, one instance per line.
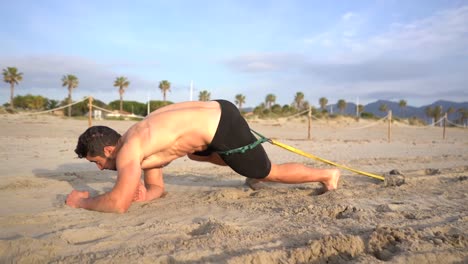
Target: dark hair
94,139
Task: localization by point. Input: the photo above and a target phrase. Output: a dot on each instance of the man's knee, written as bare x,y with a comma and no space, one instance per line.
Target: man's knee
198,158
272,175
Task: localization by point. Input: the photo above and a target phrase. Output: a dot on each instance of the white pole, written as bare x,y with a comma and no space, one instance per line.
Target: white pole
148,105
191,90
357,107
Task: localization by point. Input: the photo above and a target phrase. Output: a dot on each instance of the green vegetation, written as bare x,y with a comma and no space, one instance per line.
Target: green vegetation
123,84
342,105
204,96
34,102
164,86
240,100
71,82
13,77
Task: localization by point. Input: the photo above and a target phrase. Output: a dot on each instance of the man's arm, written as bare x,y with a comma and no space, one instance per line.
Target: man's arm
154,185
120,198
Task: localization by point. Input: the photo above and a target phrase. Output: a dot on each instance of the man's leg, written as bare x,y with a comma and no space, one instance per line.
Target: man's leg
298,173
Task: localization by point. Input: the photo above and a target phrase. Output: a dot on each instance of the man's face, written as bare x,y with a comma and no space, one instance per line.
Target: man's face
102,163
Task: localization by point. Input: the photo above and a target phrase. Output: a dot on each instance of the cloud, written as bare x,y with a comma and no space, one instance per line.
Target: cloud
348,16
324,39
443,34
42,74
345,28
427,56
265,62
46,71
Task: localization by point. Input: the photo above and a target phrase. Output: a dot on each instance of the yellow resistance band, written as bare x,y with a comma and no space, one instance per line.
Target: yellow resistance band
300,152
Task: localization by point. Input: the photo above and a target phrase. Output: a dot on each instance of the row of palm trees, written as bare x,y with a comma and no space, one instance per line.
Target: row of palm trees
300,103
12,76
432,112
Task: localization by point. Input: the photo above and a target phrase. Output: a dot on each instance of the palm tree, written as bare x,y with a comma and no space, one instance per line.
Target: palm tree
298,99
434,113
360,108
323,103
402,105
383,108
463,115
70,81
305,105
429,112
450,111
270,99
437,113
165,86
240,100
342,105
12,76
122,83
204,96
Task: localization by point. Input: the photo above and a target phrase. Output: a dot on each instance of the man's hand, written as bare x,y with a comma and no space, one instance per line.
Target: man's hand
74,198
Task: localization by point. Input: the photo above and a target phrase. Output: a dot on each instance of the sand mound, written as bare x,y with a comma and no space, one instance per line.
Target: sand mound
215,228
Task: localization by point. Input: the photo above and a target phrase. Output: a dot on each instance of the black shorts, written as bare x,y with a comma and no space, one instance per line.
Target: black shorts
234,132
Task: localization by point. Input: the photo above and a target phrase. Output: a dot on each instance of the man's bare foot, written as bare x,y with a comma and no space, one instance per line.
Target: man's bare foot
332,182
140,194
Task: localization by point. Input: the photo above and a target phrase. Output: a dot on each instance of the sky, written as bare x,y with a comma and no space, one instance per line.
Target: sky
359,51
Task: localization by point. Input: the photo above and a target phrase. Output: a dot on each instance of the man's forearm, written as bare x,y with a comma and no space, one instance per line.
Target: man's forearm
103,203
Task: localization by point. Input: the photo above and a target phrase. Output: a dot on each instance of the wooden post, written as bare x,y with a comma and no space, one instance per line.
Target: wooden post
445,124
90,109
389,136
310,121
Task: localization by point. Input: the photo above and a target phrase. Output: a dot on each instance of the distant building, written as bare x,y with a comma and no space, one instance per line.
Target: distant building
124,114
97,114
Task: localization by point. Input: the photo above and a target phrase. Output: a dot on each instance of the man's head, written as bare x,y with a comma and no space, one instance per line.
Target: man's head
96,144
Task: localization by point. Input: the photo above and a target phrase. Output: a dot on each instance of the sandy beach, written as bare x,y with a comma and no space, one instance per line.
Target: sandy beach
210,216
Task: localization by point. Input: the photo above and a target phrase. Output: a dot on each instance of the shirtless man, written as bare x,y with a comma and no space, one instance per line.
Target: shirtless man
197,129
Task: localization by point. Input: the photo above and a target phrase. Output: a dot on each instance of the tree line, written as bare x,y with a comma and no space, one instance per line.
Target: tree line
268,108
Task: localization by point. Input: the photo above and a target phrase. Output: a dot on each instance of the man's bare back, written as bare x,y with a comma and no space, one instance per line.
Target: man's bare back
173,132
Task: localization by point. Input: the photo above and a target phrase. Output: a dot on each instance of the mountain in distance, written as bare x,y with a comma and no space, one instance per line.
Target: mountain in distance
408,111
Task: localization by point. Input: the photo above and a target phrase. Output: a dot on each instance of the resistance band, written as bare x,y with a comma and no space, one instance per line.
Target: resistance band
297,151
300,152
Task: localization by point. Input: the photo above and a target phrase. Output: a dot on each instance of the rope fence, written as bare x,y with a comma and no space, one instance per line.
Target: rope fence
102,109
55,109
442,122
455,125
90,108
375,123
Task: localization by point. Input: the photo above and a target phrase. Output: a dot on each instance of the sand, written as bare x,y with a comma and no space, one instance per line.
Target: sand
210,216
